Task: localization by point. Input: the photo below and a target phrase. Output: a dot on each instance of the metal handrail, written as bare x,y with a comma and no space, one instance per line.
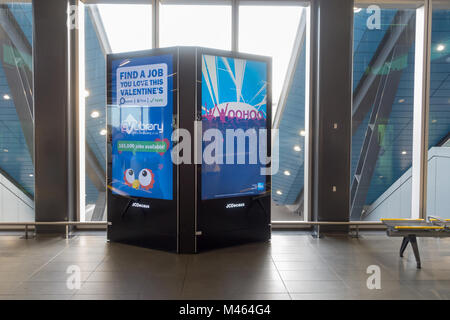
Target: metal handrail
55,223
357,224
316,233
349,223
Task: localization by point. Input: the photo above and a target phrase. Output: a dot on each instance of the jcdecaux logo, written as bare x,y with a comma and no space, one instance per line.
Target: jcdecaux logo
235,205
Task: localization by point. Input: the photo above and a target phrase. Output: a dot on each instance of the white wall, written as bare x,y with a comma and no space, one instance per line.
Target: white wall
395,202
438,188
14,204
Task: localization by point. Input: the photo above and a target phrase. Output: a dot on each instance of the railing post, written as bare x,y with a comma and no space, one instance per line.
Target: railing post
67,231
354,233
316,232
26,231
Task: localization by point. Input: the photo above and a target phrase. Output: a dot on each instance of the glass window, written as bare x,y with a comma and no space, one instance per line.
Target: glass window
289,119
16,113
128,26
438,186
270,30
382,117
103,34
195,25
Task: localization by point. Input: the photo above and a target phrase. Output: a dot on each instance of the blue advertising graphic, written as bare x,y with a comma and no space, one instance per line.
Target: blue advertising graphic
141,124
234,95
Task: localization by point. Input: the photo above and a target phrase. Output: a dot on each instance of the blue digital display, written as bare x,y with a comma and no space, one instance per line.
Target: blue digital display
141,126
234,96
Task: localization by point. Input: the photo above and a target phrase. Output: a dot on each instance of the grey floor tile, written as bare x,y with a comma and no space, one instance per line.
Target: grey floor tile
117,287
116,276
233,275
134,296
263,296
55,276
324,296
63,266
292,265
309,275
44,288
39,297
307,286
15,276
387,294
226,287
313,257
360,274
8,287
301,265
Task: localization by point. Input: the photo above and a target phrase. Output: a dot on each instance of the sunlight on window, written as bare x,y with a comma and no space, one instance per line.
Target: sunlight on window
270,31
195,25
128,27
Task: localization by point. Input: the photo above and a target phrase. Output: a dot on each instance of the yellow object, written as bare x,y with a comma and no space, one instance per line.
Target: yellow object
400,219
136,184
420,227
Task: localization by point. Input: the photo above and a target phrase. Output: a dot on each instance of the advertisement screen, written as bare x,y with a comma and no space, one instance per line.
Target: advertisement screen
234,109
141,126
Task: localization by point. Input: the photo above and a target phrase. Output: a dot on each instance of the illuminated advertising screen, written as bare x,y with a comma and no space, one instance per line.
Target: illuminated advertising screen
234,103
141,127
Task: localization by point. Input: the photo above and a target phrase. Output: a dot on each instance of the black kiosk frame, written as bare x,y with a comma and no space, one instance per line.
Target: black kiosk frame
187,223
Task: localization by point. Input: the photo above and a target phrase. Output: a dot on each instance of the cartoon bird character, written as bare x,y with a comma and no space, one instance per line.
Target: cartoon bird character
145,180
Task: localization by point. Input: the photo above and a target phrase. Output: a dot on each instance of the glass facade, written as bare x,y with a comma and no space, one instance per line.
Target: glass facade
383,99
382,114
384,51
16,112
196,25
133,31
438,171
270,30
289,89
103,34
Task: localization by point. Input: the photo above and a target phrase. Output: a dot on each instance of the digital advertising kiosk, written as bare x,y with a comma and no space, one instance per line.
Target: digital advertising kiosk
189,145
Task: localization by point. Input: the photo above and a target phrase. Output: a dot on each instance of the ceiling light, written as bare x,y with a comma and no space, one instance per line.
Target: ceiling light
287,173
356,9
297,148
279,192
5,150
31,175
302,133
440,47
434,121
103,132
401,100
6,97
95,114
404,152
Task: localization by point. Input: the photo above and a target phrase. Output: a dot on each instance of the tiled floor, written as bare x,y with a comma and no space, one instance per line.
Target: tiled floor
292,266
